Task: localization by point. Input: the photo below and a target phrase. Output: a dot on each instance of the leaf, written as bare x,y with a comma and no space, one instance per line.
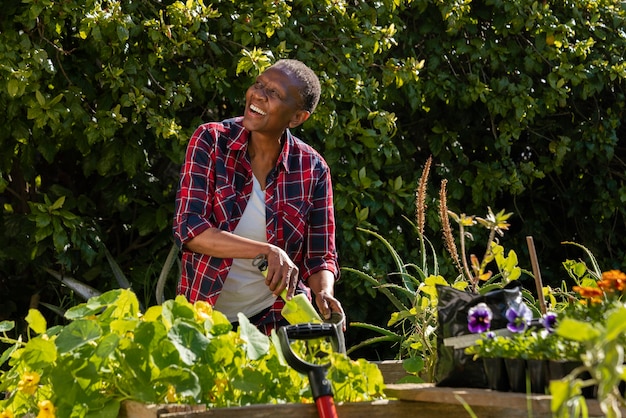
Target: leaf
176,308
39,353
107,345
122,33
13,87
615,325
126,305
36,321
117,271
9,352
76,334
40,98
257,343
249,381
185,381
577,330
413,364
6,326
189,341
110,409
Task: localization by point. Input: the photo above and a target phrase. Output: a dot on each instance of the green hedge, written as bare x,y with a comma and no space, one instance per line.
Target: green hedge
520,103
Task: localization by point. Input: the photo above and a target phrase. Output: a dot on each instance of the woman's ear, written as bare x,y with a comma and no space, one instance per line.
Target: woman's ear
299,118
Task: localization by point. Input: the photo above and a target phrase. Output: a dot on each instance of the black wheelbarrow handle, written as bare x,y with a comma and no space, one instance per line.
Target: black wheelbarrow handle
306,331
321,388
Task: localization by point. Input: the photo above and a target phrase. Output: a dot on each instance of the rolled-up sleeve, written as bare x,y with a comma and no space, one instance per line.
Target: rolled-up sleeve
193,199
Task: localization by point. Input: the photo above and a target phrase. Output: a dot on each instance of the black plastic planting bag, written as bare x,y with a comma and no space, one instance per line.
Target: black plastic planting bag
454,368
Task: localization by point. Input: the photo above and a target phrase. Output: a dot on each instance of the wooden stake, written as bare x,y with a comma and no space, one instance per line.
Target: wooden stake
537,273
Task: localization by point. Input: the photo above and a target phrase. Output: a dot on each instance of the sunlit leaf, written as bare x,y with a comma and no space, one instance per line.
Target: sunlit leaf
36,321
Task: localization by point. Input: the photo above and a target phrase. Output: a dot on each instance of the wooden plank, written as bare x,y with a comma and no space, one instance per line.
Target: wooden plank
425,400
379,409
427,392
134,409
483,398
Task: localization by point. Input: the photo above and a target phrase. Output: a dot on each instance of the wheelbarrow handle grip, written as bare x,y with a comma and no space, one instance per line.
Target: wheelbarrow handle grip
326,407
310,331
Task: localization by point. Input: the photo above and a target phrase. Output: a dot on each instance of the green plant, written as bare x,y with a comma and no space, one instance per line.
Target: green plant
412,288
173,353
534,344
596,320
520,101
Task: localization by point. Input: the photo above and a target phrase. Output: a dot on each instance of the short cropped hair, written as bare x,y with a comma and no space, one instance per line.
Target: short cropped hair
310,89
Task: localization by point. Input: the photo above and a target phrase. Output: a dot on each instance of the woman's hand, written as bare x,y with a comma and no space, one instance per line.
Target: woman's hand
322,284
281,272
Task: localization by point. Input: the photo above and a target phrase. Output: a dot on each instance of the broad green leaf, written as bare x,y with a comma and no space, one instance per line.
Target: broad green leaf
413,364
123,326
189,341
250,380
257,343
177,308
577,330
185,381
76,334
615,325
36,321
122,33
39,353
126,305
107,345
111,408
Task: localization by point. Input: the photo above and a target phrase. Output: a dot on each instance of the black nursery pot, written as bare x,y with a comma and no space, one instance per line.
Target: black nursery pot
497,377
516,371
538,375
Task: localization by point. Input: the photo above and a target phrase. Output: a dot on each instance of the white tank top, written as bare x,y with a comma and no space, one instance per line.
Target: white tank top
245,290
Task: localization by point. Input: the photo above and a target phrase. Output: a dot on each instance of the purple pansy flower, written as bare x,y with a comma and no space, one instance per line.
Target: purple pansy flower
479,318
548,320
519,319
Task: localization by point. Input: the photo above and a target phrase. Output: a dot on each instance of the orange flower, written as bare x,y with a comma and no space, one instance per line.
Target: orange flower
613,280
593,293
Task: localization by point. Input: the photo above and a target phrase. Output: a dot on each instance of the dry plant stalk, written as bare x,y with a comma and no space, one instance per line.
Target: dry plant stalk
420,197
448,238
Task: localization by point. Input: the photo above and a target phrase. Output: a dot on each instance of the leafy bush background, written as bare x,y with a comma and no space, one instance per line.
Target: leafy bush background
520,103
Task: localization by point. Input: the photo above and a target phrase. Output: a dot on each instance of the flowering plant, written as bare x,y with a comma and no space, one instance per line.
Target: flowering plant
523,338
596,321
177,352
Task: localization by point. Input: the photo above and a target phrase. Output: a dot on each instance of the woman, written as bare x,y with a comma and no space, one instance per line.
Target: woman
250,188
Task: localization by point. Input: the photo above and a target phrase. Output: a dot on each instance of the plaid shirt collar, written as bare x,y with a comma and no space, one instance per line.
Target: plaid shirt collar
239,136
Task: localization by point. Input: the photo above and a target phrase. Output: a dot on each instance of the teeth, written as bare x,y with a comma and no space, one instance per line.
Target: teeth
257,110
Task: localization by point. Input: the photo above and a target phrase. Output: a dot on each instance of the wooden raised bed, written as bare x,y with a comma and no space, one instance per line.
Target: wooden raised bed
424,400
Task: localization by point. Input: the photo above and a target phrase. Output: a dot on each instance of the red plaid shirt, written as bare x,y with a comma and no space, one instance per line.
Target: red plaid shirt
215,186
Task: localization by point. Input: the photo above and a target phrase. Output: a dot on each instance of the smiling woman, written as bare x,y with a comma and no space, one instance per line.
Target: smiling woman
248,187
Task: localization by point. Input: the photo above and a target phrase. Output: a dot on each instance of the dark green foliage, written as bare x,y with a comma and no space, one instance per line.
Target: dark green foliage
520,103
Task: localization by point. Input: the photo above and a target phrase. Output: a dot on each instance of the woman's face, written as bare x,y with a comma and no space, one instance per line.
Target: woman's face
273,104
